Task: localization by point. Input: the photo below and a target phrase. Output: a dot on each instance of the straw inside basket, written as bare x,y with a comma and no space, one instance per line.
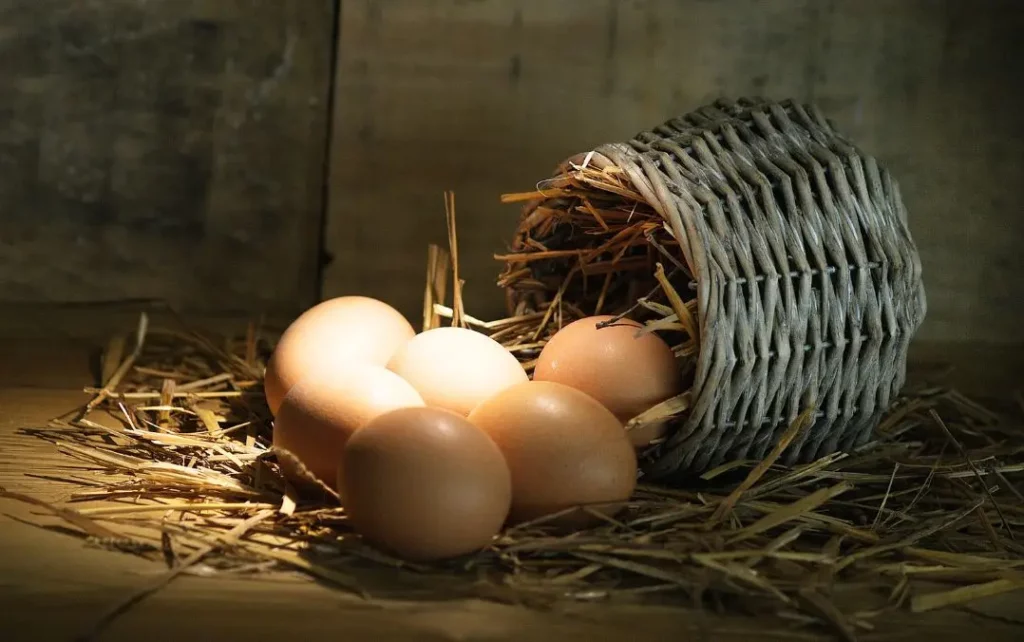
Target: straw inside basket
770,251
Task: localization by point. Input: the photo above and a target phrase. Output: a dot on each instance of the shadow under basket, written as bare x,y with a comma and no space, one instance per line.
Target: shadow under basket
796,283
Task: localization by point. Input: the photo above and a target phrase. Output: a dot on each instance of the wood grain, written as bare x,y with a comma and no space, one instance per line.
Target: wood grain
163,149
486,97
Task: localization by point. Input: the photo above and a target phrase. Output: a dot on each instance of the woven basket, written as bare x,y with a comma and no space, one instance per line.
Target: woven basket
806,282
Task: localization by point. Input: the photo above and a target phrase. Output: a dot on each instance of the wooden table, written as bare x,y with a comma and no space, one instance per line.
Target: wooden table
53,586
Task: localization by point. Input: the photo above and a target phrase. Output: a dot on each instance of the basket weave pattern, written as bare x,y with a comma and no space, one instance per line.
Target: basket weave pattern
807,282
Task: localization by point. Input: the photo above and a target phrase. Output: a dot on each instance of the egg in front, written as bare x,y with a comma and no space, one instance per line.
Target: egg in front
563,450
425,484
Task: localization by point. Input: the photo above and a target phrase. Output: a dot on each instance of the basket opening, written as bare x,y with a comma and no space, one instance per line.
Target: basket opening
588,243
803,264
591,245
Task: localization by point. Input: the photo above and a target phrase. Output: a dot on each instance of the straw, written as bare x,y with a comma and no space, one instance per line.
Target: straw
752,534
188,474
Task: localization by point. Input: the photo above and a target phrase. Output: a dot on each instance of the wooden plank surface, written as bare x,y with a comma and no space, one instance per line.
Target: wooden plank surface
486,97
53,586
169,149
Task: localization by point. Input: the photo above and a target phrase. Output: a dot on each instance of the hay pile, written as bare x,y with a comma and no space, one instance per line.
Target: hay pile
178,441
615,265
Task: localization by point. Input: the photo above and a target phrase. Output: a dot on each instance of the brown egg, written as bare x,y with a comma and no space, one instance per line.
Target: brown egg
563,448
348,329
425,484
321,412
626,373
456,368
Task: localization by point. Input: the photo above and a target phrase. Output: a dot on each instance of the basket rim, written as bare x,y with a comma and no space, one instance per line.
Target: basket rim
643,160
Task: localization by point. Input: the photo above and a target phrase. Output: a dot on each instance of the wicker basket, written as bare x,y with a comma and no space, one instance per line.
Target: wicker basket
805,280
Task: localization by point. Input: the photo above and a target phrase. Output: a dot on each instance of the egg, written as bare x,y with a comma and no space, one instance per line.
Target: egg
424,484
562,447
322,411
456,368
627,373
343,330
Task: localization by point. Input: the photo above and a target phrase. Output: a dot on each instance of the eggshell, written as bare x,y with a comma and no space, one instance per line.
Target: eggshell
563,448
348,329
425,484
626,373
456,368
321,412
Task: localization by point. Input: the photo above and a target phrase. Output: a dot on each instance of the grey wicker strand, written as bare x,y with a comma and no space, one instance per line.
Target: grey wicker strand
808,283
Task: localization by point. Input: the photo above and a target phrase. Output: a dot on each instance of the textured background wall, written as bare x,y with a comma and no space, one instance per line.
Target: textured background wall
487,96
167,149
175,149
